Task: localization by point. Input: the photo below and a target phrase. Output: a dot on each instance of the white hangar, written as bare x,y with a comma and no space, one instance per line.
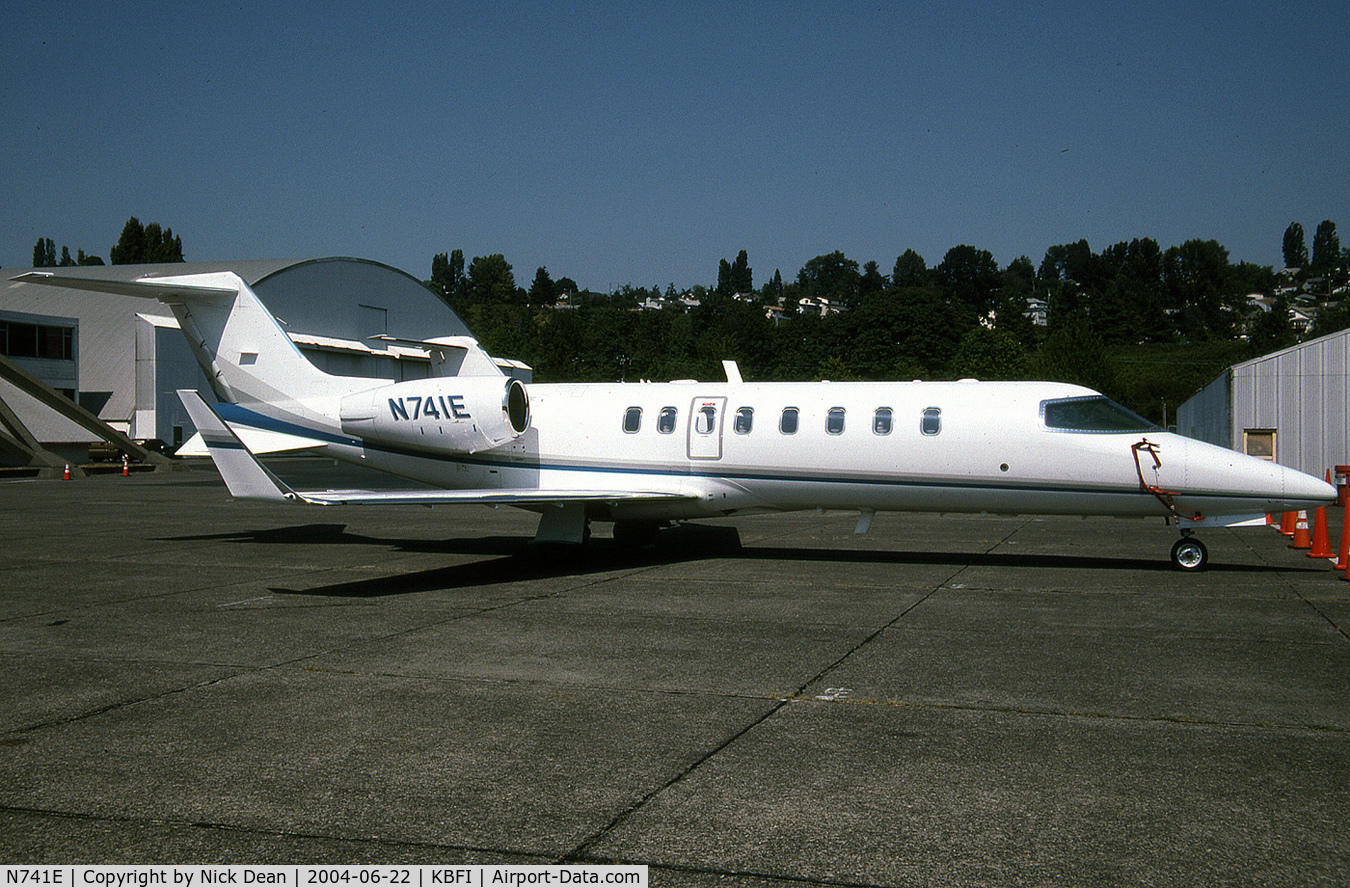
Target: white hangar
122,358
1288,406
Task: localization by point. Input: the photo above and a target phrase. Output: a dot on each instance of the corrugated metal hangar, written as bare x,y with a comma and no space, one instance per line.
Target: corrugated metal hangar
1288,406
122,358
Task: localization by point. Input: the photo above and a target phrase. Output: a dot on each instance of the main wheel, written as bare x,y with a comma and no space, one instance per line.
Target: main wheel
1189,554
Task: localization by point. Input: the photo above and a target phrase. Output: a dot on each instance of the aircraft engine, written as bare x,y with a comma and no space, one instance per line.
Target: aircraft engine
458,414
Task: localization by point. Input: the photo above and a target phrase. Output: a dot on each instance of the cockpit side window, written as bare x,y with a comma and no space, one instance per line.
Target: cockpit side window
1092,414
632,420
931,424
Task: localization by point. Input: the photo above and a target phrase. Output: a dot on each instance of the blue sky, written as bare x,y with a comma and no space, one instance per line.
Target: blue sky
643,142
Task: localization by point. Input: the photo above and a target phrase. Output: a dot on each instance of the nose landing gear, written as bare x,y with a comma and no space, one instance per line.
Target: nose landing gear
1188,553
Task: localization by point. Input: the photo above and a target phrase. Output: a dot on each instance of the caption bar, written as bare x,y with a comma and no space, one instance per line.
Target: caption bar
204,876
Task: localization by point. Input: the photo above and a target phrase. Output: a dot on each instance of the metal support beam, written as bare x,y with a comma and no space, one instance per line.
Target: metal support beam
51,398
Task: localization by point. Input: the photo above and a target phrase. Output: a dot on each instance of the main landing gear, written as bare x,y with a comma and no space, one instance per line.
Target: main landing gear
1188,553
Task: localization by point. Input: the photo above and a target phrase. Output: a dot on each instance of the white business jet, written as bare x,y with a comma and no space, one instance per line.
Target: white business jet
645,454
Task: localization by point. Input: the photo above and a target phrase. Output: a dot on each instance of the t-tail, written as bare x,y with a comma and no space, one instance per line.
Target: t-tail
276,400
248,358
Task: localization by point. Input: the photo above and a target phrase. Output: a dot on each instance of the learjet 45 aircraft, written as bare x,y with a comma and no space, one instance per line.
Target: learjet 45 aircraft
645,454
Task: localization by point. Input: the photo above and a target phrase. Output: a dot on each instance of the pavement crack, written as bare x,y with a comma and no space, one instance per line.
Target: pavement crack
583,850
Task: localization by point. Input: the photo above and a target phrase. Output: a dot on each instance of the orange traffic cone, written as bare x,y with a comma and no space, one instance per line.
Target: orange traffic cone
66,476
1287,522
1321,538
125,470
1301,538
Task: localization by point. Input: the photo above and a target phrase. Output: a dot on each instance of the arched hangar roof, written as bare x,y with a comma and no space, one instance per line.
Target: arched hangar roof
339,298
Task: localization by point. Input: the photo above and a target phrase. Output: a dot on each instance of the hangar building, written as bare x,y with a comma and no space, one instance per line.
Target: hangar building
122,357
1288,406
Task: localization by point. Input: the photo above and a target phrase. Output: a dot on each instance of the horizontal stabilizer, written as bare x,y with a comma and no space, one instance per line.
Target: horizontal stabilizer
148,288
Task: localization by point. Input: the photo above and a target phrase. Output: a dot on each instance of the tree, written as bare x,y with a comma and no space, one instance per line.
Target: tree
1295,250
773,290
447,277
139,244
1073,353
1273,330
44,253
832,276
910,270
742,276
989,354
542,290
724,278
1326,252
871,280
491,281
970,277
1199,288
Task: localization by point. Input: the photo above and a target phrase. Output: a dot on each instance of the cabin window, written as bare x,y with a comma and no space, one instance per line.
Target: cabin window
787,424
834,421
881,421
745,417
705,421
632,420
931,424
665,420
1093,413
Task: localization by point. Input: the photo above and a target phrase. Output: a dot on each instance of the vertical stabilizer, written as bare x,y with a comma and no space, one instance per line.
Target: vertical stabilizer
247,357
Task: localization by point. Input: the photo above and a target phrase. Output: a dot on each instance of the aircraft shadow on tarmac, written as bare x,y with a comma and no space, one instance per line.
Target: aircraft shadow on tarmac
515,559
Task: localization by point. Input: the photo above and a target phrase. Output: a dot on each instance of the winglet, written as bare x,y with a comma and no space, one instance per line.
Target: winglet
244,475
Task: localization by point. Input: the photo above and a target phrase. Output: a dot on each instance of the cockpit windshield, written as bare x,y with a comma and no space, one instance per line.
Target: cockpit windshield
1094,413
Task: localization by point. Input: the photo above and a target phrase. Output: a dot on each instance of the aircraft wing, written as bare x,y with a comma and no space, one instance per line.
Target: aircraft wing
247,478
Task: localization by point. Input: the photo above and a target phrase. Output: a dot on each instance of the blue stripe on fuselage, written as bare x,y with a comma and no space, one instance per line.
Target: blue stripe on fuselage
253,419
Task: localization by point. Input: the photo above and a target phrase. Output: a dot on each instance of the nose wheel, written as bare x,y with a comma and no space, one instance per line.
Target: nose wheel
1189,554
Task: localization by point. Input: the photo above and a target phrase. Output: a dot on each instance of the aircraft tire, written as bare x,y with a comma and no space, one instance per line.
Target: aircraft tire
1189,554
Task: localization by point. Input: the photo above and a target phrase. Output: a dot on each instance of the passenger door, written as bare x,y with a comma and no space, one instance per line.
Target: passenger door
705,427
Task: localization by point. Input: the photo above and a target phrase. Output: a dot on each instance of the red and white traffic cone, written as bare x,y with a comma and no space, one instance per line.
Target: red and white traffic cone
126,470
66,475
1302,540
1321,537
1287,522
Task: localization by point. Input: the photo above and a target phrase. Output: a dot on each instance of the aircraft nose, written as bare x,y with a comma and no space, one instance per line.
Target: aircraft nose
1305,488
1268,486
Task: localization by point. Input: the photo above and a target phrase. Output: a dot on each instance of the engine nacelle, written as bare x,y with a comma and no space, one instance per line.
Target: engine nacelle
460,414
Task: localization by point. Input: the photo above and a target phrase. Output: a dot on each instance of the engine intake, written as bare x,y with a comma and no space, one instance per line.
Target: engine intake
449,414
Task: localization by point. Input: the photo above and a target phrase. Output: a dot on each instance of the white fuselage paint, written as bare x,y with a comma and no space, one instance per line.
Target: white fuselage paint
991,452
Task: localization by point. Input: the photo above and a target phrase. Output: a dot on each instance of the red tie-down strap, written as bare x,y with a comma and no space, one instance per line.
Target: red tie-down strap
1164,496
